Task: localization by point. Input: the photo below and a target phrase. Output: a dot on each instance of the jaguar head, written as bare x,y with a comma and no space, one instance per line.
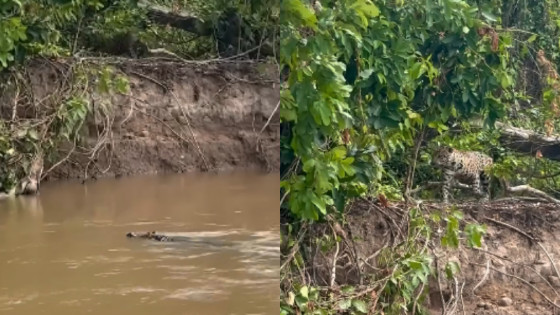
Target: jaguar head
442,155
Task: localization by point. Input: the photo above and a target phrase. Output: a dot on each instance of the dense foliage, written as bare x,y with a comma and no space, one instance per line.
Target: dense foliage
367,79
364,80
371,87
60,28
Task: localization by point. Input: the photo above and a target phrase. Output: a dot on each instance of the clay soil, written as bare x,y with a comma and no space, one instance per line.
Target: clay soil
518,255
178,117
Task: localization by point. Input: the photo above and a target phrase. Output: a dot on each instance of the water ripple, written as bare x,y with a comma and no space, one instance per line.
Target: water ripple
197,294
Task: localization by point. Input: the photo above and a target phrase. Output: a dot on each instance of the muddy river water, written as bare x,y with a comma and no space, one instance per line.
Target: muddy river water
65,251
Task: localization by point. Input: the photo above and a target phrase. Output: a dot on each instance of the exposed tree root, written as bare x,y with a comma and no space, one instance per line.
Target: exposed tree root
520,189
526,189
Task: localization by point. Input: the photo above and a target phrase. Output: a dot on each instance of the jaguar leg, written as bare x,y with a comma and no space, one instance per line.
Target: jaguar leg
447,185
477,187
485,187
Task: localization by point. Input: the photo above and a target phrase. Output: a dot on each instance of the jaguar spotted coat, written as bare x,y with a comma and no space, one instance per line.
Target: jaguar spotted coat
463,166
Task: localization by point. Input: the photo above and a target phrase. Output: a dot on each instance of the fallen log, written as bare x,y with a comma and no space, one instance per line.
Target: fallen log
164,16
529,142
226,31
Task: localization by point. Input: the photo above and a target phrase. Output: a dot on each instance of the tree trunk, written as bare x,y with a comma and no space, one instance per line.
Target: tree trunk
164,16
227,31
529,142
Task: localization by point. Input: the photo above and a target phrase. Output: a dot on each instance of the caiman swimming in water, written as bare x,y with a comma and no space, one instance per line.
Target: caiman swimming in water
153,236
176,238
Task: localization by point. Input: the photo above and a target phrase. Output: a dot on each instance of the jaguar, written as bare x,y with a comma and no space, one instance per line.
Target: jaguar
466,167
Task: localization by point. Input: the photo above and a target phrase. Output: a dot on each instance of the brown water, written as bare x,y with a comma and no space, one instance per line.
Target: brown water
65,251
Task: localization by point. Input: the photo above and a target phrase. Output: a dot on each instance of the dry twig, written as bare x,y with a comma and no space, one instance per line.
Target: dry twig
523,281
334,258
511,227
295,248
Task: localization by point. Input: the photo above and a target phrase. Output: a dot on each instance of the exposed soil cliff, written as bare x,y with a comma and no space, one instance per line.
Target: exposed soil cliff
515,272
178,117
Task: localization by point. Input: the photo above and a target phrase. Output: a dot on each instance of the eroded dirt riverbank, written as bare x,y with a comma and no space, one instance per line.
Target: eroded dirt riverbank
177,117
515,271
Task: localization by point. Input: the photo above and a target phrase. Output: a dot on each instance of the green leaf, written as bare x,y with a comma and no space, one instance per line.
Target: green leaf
359,306
304,292
415,72
296,8
368,8
348,289
457,214
301,302
365,74
451,237
309,165
122,85
325,115
344,305
33,134
532,38
451,269
3,59
489,16
16,2
474,234
339,152
435,217
319,203
416,265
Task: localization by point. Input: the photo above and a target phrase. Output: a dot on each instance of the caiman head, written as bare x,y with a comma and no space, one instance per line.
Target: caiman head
148,235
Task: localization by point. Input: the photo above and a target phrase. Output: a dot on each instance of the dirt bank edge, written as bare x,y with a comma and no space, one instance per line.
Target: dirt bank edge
178,117
515,271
